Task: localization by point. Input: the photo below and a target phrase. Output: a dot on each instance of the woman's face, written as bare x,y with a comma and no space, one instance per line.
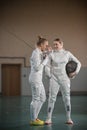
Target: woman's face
57,45
44,46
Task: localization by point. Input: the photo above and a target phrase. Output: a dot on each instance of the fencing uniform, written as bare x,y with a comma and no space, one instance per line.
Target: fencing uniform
35,79
55,69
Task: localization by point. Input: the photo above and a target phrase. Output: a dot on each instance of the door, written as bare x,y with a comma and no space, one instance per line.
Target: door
11,75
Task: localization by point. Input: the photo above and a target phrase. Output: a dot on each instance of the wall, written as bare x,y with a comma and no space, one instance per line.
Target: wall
0,79
21,21
78,84
25,87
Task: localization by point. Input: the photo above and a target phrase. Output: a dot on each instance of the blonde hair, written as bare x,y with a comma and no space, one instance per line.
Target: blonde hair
41,40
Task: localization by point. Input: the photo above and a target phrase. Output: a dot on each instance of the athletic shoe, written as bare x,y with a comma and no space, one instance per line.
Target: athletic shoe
48,122
69,122
37,122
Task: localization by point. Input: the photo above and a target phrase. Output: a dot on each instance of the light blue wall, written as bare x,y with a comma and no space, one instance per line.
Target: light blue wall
78,84
25,87
0,78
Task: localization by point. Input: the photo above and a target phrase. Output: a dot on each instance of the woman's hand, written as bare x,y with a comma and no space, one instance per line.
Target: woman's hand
72,75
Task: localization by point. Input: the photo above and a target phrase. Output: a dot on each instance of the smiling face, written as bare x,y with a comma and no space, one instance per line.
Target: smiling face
57,45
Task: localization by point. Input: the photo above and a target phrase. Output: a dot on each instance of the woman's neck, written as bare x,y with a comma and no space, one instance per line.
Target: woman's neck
39,47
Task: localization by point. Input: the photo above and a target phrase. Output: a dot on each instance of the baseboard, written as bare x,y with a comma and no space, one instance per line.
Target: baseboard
0,94
79,93
76,93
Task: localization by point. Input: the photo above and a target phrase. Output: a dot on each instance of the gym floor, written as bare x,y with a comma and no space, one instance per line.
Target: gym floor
14,114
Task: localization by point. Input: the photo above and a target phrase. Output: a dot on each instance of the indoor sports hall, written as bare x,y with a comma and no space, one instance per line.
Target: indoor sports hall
21,21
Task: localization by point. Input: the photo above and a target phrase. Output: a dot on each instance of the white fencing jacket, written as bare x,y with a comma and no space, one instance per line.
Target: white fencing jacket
37,64
57,62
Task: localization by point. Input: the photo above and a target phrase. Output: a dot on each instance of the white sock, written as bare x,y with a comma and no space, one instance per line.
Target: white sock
38,108
68,112
33,108
50,110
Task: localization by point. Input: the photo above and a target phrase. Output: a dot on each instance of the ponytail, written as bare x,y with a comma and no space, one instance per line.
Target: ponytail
41,40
